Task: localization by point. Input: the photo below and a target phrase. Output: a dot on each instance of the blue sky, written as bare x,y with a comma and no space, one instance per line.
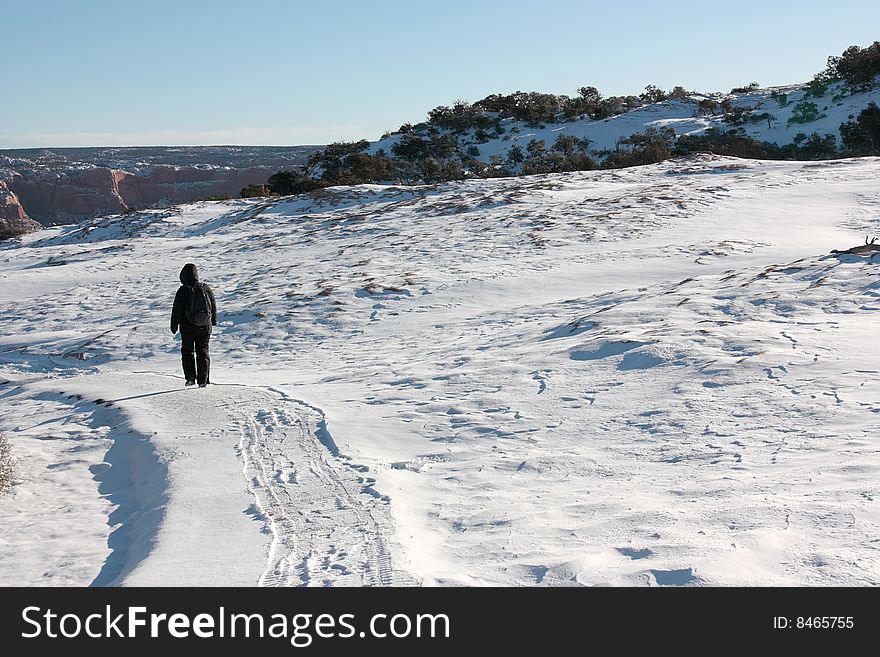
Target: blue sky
93,72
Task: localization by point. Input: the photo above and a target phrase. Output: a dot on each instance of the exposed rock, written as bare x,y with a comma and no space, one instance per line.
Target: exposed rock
182,185
869,247
13,219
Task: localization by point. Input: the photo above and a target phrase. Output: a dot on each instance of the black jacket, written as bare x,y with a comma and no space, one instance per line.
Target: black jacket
189,276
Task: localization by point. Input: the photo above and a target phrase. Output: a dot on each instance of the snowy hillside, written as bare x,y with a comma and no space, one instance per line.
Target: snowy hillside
647,376
836,106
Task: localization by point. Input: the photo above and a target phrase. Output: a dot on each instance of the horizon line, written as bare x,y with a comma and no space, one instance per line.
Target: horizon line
61,148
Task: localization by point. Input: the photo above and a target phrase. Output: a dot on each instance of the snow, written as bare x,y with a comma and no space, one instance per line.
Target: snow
647,376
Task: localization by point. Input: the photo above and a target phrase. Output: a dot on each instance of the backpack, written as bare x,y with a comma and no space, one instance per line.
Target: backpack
198,309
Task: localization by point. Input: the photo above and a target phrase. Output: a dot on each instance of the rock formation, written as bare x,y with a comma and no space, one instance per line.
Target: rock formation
13,219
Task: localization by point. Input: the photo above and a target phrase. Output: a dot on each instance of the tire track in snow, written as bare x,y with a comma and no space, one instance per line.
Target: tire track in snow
328,525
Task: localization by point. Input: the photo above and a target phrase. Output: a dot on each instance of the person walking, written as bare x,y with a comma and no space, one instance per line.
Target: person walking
194,312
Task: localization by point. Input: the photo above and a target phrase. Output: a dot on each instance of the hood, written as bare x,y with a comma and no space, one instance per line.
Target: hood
189,275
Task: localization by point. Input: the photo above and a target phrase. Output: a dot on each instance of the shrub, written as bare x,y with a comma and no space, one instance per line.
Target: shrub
361,168
734,143
536,147
763,116
589,94
6,464
253,191
817,87
411,148
531,108
780,98
579,162
475,168
460,117
431,170
497,169
568,144
648,147
453,170
738,144
585,102
331,157
346,163
804,112
751,86
481,136
737,115
707,106
515,155
816,147
652,94
285,183
857,66
414,148
862,136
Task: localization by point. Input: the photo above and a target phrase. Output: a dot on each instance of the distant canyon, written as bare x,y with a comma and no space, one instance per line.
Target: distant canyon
43,187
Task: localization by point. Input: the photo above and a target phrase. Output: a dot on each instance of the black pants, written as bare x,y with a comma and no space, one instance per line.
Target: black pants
199,367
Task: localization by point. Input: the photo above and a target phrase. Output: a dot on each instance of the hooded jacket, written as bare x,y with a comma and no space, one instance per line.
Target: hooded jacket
189,277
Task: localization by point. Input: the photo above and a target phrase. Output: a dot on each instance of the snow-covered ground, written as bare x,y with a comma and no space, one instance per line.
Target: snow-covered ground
648,376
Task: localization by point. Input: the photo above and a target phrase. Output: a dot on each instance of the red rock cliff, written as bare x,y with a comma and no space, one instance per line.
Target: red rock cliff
13,219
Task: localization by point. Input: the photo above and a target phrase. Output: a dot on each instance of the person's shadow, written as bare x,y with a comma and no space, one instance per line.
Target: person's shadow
147,394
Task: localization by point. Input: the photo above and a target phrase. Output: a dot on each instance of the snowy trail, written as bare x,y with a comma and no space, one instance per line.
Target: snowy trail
328,525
